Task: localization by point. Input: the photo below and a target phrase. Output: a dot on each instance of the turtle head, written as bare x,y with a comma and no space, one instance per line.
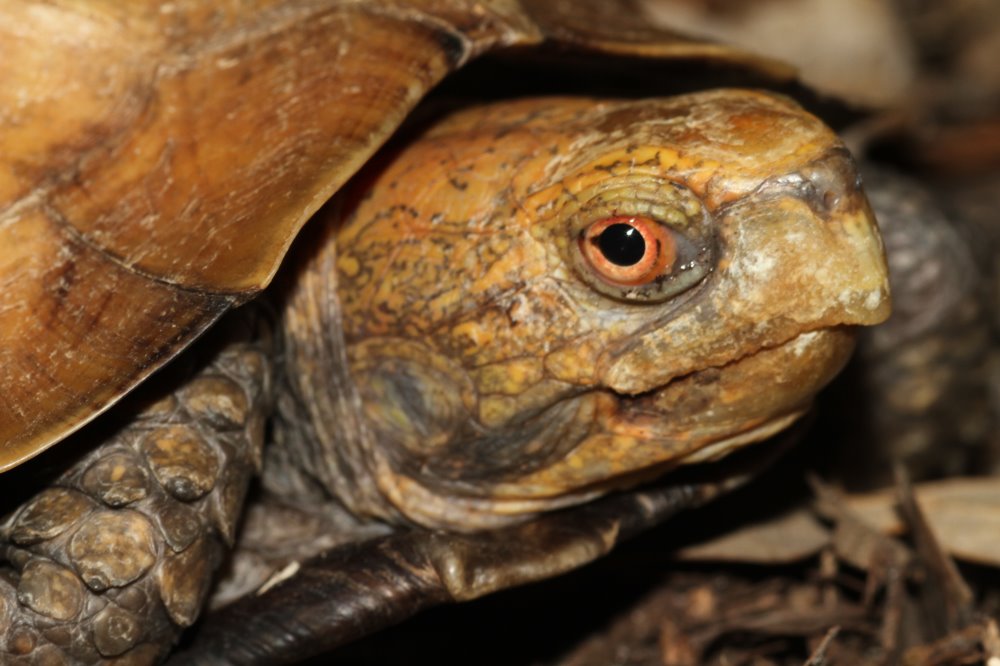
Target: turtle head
543,300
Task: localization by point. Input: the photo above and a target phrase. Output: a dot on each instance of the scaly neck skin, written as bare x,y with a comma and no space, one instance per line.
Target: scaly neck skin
320,434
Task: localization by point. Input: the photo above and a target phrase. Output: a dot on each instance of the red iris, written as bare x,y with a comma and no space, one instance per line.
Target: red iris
627,250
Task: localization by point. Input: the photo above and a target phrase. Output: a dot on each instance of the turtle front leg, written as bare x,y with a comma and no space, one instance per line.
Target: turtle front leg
109,562
359,588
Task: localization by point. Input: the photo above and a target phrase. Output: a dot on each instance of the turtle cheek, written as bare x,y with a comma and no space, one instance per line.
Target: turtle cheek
408,409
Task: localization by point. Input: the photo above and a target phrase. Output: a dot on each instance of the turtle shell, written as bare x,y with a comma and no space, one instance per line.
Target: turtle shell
157,160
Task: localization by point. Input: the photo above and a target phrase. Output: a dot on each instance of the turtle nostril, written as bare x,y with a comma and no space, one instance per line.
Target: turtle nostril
826,185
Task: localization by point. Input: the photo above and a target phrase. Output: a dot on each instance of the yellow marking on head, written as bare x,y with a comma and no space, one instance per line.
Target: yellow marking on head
496,410
349,265
510,378
478,334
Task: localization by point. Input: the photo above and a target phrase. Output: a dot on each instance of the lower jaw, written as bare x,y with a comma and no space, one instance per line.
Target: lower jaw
748,400
701,416
718,450
745,400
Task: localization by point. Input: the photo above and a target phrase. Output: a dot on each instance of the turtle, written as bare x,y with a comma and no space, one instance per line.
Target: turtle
512,309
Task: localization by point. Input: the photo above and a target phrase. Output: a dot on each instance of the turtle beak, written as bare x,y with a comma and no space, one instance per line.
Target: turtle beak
819,212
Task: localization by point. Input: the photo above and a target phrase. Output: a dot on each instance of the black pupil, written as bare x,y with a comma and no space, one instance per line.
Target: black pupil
622,244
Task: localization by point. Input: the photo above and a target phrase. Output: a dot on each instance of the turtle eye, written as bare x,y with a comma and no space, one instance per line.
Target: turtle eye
639,241
628,251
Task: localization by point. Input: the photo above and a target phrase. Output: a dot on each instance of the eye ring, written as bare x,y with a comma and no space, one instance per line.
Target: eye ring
669,218
628,250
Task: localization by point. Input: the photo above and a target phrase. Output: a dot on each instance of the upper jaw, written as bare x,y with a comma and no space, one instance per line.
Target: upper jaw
799,253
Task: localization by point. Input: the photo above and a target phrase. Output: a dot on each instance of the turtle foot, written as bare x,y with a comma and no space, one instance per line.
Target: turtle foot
359,588
110,561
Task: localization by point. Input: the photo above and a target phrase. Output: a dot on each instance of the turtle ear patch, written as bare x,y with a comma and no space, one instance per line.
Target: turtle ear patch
412,406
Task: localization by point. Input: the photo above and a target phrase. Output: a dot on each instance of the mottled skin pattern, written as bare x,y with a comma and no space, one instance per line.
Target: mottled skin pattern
449,359
499,378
